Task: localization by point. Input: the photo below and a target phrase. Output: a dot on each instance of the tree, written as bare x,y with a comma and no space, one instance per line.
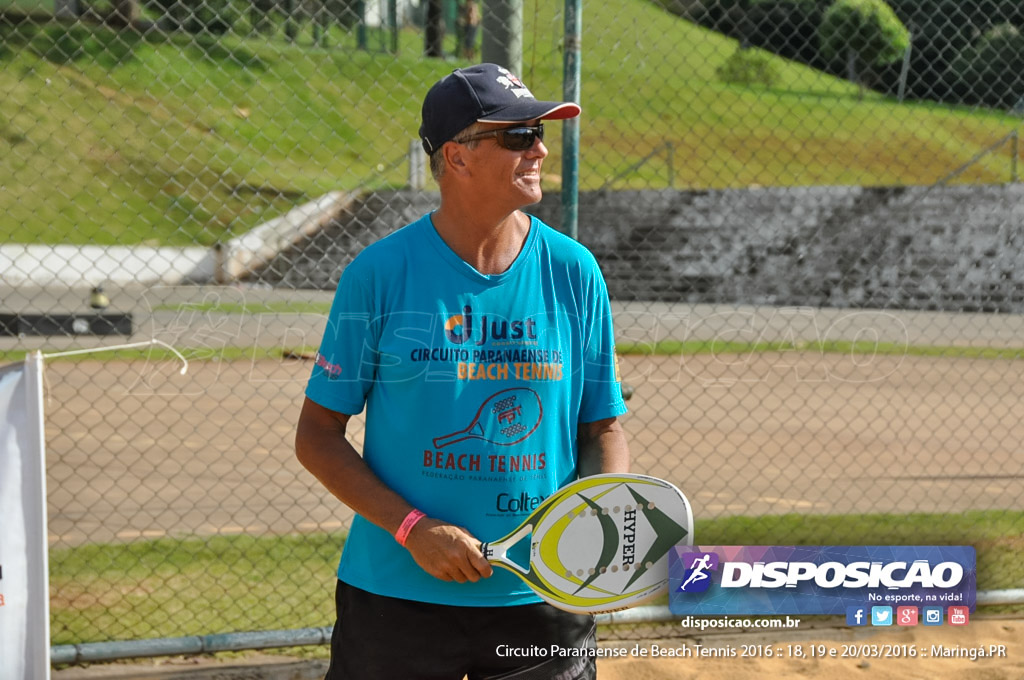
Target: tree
865,33
124,12
433,34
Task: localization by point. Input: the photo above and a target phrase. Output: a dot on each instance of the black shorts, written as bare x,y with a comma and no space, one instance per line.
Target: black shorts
383,638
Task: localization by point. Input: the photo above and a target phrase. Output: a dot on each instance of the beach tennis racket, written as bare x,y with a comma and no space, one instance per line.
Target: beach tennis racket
598,544
505,418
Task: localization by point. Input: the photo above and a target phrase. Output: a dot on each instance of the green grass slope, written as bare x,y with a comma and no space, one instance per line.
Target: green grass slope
188,141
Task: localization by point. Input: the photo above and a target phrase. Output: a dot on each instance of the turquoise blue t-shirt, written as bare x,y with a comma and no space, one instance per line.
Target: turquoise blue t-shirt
473,386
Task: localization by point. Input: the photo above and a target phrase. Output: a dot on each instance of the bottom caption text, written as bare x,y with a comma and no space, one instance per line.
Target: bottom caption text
763,651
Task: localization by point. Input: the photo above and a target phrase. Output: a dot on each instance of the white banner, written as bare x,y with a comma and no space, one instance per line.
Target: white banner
24,575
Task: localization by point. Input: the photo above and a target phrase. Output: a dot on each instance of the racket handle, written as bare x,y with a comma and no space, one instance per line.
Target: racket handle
444,441
474,431
497,553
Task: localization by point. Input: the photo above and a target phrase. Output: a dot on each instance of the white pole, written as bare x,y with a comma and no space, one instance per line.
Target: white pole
24,579
38,646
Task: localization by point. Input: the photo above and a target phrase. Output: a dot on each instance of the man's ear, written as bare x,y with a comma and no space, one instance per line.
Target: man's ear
455,158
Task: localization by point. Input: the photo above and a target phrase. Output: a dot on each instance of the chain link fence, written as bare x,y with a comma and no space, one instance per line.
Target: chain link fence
809,215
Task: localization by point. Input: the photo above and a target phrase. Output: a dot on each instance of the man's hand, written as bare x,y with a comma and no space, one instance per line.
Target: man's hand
447,552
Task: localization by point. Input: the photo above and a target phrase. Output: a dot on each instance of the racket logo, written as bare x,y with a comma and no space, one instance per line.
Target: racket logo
505,418
697,577
629,537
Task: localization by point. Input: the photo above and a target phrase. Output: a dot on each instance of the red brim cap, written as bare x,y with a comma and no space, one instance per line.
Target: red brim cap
485,93
531,109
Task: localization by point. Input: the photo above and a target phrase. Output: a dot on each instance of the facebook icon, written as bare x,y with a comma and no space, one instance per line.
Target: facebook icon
856,616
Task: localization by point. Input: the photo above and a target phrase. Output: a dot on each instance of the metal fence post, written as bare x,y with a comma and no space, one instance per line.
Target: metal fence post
571,129
502,41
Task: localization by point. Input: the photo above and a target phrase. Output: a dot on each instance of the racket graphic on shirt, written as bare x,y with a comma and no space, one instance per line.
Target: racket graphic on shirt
505,418
600,543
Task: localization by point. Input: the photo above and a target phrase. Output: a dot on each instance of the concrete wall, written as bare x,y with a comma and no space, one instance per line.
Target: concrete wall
939,248
318,261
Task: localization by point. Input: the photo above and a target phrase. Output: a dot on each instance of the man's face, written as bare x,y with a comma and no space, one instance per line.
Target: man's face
504,175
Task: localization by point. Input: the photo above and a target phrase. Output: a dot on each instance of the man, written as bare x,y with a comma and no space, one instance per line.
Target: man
469,18
480,342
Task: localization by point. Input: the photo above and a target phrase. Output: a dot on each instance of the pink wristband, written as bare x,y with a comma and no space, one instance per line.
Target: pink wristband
408,523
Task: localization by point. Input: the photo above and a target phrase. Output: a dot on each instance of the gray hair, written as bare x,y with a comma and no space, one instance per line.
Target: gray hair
437,158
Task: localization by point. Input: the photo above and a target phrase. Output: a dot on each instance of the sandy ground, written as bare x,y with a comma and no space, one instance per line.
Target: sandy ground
857,655
137,451
813,651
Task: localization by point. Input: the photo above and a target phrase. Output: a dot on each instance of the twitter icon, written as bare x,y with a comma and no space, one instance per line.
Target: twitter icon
881,616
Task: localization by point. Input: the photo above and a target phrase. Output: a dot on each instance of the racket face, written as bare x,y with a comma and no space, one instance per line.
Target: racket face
601,543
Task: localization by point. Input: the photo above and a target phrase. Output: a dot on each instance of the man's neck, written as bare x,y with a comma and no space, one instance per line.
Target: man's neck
490,244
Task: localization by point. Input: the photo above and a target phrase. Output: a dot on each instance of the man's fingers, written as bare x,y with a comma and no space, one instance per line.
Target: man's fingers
479,563
472,566
447,552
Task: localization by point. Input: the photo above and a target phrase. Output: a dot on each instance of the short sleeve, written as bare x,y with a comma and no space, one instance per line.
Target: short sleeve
345,366
602,393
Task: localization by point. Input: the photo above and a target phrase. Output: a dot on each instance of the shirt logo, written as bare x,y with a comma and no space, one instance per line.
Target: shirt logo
333,371
460,328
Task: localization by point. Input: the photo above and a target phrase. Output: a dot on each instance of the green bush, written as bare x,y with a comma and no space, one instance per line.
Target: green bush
748,67
867,27
62,45
196,16
66,44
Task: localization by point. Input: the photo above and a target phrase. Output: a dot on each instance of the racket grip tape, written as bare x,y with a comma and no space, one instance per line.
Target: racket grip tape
407,524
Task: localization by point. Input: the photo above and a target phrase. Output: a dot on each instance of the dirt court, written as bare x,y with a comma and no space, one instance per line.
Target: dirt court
136,450
859,654
806,653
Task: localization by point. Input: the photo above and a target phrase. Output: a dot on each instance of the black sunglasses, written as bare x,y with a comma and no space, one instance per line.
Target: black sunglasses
518,138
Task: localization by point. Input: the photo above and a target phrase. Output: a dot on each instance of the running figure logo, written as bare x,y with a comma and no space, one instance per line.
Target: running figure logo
697,577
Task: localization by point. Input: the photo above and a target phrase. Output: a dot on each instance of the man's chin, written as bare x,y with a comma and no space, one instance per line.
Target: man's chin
530,198
530,187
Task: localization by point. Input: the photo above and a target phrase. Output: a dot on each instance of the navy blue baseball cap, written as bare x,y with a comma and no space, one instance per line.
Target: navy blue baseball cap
485,93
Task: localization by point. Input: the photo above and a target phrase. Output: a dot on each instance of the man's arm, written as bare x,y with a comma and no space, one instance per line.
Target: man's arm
443,550
602,447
